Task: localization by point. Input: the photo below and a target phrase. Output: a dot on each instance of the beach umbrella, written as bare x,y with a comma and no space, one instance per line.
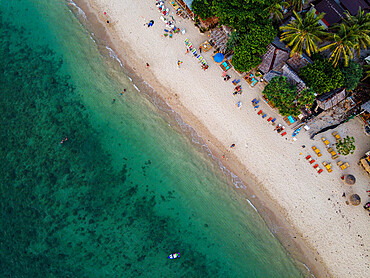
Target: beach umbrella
350,179
219,57
355,199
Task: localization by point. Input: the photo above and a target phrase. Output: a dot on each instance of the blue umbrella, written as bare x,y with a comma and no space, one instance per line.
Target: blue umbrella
219,57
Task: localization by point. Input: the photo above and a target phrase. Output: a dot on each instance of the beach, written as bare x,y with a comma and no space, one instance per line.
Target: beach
328,235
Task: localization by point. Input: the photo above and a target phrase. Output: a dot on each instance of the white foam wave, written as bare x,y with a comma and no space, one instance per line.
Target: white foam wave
252,205
113,55
136,88
79,10
92,38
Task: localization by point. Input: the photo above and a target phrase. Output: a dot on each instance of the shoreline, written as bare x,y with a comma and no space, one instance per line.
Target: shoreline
274,214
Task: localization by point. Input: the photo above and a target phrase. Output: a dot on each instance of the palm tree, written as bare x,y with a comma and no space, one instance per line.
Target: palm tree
366,72
297,5
276,8
360,25
342,40
303,34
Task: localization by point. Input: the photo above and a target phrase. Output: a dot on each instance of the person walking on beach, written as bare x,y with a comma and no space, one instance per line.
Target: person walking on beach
232,146
147,65
200,49
179,63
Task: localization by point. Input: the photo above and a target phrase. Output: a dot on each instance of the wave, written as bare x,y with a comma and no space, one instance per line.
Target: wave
252,205
79,10
113,55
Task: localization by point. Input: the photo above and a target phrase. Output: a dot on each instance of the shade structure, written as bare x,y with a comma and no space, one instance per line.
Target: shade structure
219,57
350,179
355,199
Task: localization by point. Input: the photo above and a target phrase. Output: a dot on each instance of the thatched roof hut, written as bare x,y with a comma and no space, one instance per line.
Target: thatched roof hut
350,179
355,199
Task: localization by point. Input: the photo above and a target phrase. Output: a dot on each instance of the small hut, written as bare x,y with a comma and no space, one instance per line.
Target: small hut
355,199
350,179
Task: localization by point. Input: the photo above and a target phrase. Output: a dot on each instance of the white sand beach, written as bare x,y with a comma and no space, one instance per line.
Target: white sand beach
333,236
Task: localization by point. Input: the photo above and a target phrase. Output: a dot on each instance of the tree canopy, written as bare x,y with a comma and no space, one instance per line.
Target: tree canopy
241,14
285,97
346,146
202,8
351,75
321,76
303,33
251,46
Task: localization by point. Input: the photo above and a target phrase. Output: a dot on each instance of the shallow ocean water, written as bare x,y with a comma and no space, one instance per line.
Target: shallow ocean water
126,188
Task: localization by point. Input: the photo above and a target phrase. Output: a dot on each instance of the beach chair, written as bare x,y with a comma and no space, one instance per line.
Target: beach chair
317,151
284,133
326,142
264,116
256,106
311,160
273,120
315,166
257,101
319,170
333,153
327,166
269,119
336,136
259,112
254,100
343,165
308,157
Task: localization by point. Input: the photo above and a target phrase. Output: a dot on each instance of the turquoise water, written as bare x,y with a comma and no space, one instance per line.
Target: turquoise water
126,188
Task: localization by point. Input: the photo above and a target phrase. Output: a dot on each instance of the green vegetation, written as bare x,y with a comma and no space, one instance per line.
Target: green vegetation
276,8
360,25
342,42
202,8
253,30
321,76
285,97
252,46
347,37
297,5
346,146
366,72
303,33
351,75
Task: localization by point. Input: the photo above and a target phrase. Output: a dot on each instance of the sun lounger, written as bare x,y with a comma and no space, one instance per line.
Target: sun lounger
256,106
315,166
281,129
254,100
269,119
264,116
273,120
326,142
333,153
336,136
308,157
259,112
257,101
343,165
312,161
284,133
327,166
317,151
319,170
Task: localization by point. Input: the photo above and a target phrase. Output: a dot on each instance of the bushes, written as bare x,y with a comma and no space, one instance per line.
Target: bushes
285,97
252,46
351,75
321,76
